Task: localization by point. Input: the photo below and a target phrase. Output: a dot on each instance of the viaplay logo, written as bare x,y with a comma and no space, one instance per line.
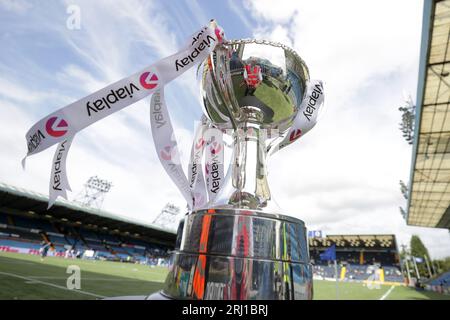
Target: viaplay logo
148,80
219,34
199,199
56,127
166,153
295,135
215,147
200,143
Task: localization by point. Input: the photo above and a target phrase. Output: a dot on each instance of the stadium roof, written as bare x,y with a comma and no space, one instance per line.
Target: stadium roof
429,191
17,200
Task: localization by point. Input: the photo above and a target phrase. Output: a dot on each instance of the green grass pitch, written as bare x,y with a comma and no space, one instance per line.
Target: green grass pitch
27,277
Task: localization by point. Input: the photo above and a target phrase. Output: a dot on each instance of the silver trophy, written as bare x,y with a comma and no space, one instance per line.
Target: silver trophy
241,246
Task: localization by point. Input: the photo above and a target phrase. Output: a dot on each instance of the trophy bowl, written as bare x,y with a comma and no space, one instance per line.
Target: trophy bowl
240,246
266,76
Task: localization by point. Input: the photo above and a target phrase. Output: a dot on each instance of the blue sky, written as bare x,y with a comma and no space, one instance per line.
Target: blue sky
342,177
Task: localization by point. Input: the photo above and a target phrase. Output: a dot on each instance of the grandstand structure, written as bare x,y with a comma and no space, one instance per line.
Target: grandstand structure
168,217
359,258
26,225
94,192
429,184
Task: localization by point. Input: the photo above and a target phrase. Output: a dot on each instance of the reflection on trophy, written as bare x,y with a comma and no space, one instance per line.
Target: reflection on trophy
241,246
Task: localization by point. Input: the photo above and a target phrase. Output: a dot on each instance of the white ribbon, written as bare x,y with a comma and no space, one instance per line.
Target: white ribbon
195,168
192,188
59,184
166,144
214,166
66,122
306,117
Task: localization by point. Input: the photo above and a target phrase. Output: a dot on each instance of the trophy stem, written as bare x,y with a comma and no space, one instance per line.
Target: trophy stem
246,184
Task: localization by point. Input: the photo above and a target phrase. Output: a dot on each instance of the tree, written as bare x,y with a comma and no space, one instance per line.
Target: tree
442,265
419,250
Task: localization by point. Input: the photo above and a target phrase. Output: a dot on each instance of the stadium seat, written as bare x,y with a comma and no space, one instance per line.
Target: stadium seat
17,236
443,279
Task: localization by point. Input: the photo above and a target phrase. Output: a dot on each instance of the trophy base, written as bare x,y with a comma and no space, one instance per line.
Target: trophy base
238,254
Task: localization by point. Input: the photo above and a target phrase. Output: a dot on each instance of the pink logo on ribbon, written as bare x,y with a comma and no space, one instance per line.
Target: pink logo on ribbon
199,199
166,153
199,143
56,128
215,147
295,135
148,80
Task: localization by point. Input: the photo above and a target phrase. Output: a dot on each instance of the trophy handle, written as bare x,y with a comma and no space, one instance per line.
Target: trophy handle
272,147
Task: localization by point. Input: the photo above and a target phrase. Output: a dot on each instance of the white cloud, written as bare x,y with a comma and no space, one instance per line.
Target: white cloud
77,77
14,91
16,6
278,11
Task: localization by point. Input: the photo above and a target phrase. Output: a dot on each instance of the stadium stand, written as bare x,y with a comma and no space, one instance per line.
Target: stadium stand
326,271
393,274
19,235
26,224
3,219
359,258
440,284
358,272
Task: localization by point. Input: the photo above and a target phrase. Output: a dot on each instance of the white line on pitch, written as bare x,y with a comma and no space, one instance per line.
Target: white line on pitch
51,284
387,293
